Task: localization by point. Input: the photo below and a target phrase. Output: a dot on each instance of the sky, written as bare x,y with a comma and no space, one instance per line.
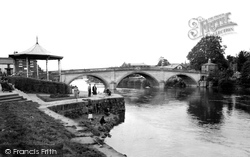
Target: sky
107,33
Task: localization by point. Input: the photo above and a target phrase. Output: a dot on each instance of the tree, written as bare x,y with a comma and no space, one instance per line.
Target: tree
245,74
224,81
232,62
221,78
231,59
163,62
242,58
208,47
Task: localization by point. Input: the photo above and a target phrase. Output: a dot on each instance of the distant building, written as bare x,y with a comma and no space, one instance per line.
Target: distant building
175,66
6,66
21,67
134,65
209,67
186,66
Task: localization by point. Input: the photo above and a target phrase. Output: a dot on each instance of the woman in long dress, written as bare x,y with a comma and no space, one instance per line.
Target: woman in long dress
94,89
76,92
89,90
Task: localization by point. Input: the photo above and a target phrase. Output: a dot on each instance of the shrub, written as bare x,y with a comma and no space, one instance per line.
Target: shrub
245,74
226,84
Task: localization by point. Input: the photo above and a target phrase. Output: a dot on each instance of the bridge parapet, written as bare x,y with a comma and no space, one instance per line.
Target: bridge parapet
127,69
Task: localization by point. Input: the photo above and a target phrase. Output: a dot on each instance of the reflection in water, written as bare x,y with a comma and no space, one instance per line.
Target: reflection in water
182,122
243,102
206,107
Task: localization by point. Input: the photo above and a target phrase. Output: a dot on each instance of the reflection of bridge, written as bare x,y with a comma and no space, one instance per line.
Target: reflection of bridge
111,77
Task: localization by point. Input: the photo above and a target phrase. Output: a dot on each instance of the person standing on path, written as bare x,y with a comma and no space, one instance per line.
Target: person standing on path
94,89
89,90
76,92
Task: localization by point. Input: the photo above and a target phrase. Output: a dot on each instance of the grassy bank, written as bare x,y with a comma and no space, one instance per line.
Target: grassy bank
24,124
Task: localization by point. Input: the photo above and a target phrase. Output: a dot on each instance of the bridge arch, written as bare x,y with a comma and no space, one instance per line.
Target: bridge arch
188,79
111,77
106,84
148,76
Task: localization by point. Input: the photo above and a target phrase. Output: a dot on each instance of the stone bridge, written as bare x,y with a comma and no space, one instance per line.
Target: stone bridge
111,77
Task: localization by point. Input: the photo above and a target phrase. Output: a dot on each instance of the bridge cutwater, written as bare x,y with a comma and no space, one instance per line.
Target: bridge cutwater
111,77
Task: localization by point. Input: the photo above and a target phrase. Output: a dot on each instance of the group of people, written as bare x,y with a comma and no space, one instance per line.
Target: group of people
91,91
94,90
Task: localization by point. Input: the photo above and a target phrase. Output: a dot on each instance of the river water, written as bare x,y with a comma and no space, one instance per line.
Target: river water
183,123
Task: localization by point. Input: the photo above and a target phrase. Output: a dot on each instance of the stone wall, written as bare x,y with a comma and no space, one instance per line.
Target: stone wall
61,109
115,105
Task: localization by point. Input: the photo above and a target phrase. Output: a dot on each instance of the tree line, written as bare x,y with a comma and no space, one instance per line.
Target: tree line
210,47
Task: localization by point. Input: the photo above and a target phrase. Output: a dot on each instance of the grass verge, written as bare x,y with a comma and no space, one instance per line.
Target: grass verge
23,124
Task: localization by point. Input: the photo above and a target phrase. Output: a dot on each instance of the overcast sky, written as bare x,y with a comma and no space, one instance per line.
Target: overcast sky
100,33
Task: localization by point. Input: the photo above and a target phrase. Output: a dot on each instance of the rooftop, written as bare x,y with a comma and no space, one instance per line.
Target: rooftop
172,66
35,52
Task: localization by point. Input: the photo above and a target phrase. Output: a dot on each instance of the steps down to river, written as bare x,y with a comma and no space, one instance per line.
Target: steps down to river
11,97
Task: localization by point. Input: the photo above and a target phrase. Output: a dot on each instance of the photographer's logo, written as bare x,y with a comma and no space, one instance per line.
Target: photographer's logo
27,150
7,151
217,25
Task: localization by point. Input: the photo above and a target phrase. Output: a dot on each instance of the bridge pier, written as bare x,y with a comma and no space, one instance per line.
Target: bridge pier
162,84
112,86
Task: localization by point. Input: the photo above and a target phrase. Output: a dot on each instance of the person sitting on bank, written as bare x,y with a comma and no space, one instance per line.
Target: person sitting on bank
6,86
107,91
102,121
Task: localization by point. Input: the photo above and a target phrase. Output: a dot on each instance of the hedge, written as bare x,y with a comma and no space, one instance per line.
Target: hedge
226,84
31,85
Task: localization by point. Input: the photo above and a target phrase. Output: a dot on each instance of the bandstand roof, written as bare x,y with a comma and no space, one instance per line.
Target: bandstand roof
35,52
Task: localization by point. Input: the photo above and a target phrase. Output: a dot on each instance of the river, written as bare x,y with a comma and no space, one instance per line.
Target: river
182,123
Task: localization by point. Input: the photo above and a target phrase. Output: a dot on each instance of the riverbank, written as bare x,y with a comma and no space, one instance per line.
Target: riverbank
35,119
88,131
